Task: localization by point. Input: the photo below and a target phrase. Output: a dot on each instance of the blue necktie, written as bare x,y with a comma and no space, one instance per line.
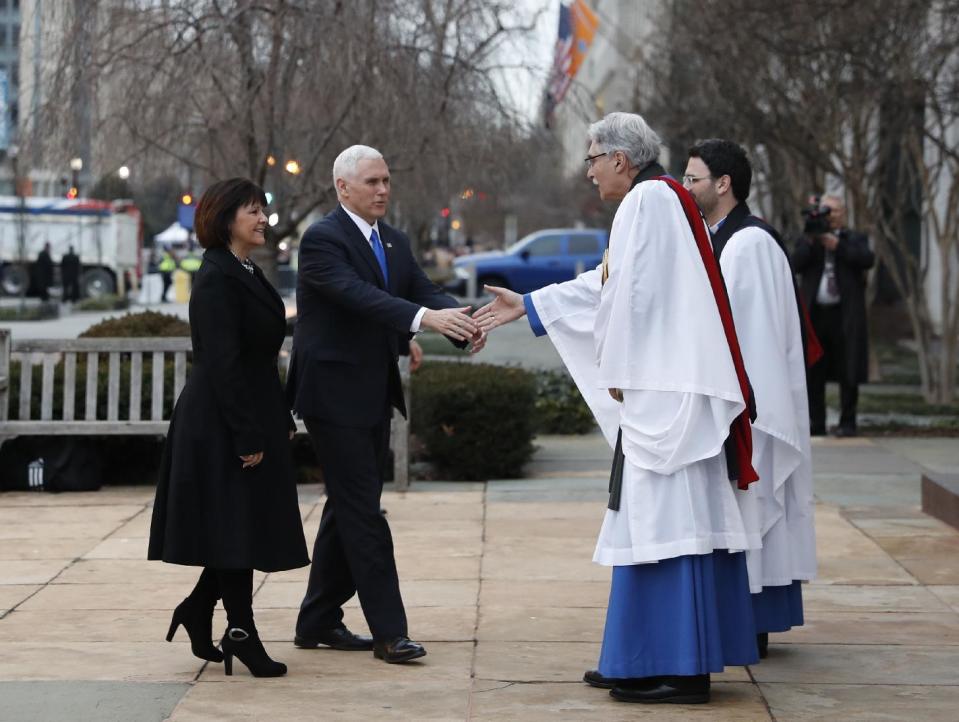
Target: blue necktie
380,254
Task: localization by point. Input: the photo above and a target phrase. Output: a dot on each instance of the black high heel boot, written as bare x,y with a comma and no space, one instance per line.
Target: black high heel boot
249,649
198,624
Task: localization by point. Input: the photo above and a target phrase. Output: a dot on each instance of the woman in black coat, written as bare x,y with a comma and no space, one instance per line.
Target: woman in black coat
226,499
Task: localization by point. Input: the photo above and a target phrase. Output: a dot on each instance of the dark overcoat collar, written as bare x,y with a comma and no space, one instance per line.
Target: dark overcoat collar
223,259
734,221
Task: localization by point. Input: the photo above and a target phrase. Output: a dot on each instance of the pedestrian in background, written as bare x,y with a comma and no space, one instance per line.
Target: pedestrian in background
832,267
70,275
226,499
43,270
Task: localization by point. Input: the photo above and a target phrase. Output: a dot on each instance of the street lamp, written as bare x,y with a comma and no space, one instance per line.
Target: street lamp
123,172
292,167
76,165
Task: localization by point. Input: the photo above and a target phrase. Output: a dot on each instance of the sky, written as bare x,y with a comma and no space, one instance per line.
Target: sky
530,60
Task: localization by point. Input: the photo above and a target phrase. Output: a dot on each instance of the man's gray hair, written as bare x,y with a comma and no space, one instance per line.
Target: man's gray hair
628,133
345,164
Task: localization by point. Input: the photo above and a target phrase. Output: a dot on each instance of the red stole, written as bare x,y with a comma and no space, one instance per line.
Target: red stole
740,432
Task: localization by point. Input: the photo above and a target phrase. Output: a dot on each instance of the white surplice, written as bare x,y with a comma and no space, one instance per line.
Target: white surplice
653,330
780,506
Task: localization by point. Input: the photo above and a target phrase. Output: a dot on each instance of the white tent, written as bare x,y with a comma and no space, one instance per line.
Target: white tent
172,235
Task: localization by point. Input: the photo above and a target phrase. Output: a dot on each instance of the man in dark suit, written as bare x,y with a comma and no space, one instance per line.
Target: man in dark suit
832,267
70,275
359,291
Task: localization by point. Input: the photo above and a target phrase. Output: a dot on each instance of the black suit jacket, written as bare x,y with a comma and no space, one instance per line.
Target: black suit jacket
349,324
853,259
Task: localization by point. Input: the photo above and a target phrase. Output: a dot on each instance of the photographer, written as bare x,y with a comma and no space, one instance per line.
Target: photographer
831,261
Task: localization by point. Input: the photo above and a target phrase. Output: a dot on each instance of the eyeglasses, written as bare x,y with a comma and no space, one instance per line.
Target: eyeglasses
589,159
688,180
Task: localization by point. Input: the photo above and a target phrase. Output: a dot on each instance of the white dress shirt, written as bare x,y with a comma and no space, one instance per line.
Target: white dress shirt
367,230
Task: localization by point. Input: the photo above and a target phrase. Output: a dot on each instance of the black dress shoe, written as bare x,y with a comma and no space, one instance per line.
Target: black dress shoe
762,643
665,690
398,650
594,679
340,638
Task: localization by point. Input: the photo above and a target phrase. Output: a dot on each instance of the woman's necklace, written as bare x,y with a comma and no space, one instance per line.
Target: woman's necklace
245,262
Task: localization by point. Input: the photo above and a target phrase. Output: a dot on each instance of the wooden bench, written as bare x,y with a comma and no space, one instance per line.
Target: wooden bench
88,353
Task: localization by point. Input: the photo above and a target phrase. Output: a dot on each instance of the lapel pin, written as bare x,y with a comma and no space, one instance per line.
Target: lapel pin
389,245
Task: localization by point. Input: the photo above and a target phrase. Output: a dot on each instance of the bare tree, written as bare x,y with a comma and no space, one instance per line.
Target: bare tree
274,89
863,92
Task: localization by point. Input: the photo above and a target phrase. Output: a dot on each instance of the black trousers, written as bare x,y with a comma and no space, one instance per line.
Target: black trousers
827,322
353,553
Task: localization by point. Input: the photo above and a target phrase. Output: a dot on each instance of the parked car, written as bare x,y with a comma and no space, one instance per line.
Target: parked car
543,257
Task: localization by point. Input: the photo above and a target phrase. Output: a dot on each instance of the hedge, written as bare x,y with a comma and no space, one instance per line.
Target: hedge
475,420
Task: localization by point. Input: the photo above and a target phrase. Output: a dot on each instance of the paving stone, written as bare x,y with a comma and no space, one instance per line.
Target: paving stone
552,662
918,546
861,702
294,698
134,661
549,702
543,566
858,664
31,571
50,530
107,496
546,510
13,594
543,592
87,625
416,593
895,527
575,531
878,570
119,548
45,548
84,701
818,598
541,624
121,596
948,594
938,569
120,571
136,528
68,514
877,628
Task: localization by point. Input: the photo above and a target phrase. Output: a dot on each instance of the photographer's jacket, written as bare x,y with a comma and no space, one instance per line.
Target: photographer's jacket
853,258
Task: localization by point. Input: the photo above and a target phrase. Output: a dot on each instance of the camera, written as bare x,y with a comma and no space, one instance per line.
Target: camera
816,218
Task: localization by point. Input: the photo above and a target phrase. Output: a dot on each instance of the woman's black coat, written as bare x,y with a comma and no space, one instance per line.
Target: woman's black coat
209,511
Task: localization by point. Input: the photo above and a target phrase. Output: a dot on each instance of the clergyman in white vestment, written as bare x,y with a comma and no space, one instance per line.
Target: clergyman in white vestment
769,324
643,338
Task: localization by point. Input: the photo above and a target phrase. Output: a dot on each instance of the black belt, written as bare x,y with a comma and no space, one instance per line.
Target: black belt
616,474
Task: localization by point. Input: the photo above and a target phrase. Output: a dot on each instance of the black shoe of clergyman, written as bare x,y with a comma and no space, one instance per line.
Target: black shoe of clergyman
594,679
339,638
668,690
844,431
398,650
762,643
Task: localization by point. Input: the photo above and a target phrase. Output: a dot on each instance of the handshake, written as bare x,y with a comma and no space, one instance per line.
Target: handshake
456,323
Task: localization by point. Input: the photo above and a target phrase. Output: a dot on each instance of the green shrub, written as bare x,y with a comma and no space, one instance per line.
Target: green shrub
41,312
103,303
475,420
560,408
136,325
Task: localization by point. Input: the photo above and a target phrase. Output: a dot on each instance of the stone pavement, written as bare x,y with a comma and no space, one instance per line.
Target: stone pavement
499,585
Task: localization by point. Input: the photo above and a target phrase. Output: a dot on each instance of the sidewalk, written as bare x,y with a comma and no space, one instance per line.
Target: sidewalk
499,586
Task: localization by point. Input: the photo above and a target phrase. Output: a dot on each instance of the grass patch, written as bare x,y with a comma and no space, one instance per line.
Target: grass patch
42,312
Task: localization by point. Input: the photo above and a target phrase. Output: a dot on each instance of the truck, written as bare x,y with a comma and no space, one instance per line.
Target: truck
106,235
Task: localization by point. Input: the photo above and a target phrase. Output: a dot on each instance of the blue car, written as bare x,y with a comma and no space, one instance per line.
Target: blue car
549,256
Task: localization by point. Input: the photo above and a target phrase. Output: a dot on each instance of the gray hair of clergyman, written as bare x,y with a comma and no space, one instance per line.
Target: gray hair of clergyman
345,164
628,133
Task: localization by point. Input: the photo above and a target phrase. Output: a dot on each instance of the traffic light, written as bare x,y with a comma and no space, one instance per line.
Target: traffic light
445,213
73,192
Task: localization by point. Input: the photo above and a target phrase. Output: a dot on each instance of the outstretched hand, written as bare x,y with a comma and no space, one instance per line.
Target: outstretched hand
507,306
452,322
